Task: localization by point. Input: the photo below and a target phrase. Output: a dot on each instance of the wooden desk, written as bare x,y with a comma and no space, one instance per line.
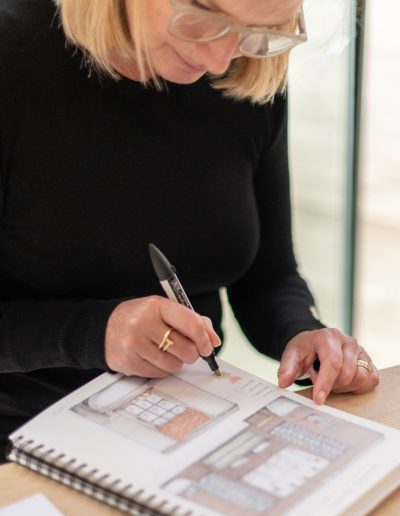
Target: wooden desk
383,405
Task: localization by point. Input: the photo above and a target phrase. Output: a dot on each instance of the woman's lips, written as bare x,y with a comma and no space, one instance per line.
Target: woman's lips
189,66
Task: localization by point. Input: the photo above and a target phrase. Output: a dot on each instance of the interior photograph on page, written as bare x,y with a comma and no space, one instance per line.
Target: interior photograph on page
161,414
286,451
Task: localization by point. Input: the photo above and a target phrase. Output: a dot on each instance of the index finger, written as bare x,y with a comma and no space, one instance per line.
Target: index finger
188,323
330,363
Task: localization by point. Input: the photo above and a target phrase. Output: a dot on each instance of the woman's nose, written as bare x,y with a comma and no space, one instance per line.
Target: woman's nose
217,55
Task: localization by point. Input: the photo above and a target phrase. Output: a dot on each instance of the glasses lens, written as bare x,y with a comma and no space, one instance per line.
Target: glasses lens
197,27
259,45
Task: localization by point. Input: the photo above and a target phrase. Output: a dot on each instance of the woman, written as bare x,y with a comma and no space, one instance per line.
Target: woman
155,123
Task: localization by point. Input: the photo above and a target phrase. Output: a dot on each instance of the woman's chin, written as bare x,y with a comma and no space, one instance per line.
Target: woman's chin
179,76
175,68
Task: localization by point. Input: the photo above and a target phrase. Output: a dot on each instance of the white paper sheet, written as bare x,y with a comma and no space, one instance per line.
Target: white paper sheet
36,504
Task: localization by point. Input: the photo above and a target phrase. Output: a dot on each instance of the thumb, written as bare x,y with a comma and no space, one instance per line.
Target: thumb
287,373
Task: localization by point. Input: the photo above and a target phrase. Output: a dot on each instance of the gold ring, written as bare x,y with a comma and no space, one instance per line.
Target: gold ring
364,364
166,341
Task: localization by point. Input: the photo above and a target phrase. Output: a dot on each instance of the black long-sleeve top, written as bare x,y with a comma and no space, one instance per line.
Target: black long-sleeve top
92,170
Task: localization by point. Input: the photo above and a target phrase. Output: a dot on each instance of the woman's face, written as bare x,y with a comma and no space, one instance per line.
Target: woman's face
185,62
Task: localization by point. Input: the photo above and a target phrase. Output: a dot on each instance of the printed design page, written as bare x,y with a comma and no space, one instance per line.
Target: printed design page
234,445
114,422
285,453
161,414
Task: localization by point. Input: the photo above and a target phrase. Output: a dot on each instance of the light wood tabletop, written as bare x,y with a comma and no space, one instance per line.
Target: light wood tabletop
382,405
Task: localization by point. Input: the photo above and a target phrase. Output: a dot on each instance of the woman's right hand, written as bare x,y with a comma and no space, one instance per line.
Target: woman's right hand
136,328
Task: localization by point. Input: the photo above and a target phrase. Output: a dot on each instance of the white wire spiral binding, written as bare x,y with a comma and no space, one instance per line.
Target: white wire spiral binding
93,483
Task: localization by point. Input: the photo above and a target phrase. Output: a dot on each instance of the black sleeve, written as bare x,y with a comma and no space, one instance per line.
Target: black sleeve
37,334
44,334
271,301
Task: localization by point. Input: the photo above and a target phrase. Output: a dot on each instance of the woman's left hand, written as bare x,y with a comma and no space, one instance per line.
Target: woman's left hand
340,367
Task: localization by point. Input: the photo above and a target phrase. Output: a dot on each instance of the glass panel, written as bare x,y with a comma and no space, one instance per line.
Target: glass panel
321,145
321,135
378,271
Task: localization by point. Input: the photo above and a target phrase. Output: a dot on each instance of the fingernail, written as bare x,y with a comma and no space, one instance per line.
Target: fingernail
321,397
285,372
282,379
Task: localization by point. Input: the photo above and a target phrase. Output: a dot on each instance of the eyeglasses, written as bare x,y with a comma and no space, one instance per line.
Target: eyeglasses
193,22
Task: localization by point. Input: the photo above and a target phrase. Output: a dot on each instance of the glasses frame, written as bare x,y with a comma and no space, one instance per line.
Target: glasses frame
180,8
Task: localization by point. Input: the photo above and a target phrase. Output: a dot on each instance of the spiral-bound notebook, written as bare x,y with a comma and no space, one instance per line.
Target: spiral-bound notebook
194,444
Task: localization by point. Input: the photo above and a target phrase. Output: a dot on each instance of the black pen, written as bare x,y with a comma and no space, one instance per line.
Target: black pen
168,279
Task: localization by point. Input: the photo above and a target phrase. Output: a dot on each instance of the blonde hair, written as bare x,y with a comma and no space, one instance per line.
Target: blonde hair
99,27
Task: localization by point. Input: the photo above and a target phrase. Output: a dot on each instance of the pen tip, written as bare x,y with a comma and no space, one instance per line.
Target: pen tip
217,372
160,263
